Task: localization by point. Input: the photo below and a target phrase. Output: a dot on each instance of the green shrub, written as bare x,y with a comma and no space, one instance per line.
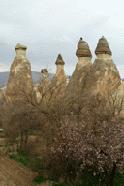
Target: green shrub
36,164
39,179
119,180
21,157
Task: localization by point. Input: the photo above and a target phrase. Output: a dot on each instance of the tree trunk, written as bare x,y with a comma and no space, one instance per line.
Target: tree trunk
21,141
26,139
112,174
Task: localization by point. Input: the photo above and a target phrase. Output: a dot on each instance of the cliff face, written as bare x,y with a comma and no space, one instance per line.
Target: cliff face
78,80
57,87
103,78
20,78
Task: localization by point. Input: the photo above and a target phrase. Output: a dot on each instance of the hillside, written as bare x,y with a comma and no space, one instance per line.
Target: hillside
13,174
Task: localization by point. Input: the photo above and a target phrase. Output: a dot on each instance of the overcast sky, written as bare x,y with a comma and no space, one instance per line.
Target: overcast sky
49,27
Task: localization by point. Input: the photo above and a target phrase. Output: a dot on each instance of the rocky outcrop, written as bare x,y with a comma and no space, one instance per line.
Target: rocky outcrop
60,73
20,79
56,89
78,80
88,79
104,76
42,89
45,82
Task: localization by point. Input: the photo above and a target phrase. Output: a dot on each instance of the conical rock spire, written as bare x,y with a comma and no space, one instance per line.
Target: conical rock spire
20,77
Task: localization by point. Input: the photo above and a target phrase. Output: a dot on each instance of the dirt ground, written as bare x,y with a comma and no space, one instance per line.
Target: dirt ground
13,174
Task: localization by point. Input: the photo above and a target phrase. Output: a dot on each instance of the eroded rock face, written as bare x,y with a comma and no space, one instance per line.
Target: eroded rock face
104,76
57,88
58,84
20,79
87,79
83,49
78,79
77,82
43,88
60,73
59,81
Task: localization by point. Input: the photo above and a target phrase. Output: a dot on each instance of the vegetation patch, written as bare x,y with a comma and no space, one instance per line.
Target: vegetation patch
21,157
119,179
39,179
36,164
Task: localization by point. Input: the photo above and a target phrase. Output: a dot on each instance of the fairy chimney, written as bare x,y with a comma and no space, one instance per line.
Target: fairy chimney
44,74
45,81
20,51
58,83
104,76
77,81
60,67
20,78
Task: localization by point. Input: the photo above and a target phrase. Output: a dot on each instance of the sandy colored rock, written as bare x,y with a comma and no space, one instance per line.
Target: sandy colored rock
59,60
20,78
58,84
42,88
103,47
104,76
83,49
78,79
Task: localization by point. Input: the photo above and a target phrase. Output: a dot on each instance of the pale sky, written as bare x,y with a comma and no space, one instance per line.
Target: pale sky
49,27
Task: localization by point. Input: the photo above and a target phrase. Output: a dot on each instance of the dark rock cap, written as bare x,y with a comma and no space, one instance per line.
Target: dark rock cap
83,49
59,60
103,47
20,46
44,71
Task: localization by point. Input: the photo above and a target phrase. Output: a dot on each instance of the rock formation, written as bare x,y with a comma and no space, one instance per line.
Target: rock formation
83,67
20,79
60,73
104,76
45,82
42,89
88,79
59,82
